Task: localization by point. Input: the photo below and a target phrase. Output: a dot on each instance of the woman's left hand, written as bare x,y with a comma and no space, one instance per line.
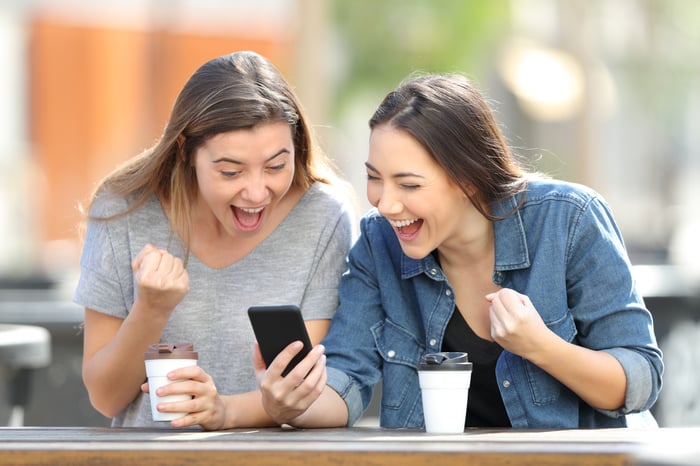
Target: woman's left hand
515,323
206,408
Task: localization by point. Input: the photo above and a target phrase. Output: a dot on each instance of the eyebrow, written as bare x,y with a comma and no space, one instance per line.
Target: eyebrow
396,175
284,150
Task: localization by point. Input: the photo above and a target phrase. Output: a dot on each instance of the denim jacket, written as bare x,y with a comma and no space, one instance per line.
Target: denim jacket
561,248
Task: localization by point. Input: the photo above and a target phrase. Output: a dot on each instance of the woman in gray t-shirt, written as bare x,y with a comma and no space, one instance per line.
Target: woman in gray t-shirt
234,206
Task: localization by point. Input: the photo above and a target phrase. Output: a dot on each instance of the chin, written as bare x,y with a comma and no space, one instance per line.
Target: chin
414,253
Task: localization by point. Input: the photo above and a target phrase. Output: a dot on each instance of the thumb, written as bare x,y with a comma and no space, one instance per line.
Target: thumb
259,366
258,362
136,263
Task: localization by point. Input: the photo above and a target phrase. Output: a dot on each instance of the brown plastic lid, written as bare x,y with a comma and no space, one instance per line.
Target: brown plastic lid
171,351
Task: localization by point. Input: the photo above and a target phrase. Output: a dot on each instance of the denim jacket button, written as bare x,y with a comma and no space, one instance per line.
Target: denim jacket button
391,353
433,342
506,383
433,271
448,293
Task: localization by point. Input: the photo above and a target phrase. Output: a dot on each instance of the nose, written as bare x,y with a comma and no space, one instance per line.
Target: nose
255,190
388,203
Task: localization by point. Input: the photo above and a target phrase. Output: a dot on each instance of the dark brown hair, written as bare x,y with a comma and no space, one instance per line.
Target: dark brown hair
454,123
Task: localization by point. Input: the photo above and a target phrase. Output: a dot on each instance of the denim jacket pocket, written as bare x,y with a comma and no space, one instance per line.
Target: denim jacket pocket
400,352
545,388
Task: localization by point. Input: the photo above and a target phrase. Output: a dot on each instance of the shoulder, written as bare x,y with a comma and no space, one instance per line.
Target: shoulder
547,191
553,202
327,197
106,205
321,212
117,212
323,204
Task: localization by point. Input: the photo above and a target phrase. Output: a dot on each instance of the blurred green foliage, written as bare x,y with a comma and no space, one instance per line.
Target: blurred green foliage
383,41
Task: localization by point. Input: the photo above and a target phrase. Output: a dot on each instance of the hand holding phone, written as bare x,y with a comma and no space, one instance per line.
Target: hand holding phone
275,327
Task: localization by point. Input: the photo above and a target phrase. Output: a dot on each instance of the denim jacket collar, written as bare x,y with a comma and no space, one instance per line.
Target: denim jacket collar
510,239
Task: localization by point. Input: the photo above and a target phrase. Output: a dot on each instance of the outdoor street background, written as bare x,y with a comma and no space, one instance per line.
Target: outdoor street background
601,92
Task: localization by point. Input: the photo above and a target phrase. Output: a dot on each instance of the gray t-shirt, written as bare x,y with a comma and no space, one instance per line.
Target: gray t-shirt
299,263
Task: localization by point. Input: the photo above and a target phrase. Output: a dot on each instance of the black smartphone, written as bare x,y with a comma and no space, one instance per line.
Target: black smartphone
275,327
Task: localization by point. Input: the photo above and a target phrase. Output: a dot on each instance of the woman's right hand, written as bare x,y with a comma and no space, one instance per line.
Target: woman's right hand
161,279
286,398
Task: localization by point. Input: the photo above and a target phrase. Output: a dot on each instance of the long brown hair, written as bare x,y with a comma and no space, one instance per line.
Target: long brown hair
450,118
230,92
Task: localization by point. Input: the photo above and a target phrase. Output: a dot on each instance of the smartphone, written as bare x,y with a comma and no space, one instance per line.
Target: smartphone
275,327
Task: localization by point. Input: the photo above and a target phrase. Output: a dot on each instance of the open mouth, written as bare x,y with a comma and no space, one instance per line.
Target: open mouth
407,229
247,219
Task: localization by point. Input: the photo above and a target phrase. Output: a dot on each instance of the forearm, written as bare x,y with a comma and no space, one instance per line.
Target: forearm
246,410
329,410
595,376
114,372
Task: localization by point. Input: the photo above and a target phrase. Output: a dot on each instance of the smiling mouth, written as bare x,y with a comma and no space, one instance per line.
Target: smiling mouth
406,229
247,219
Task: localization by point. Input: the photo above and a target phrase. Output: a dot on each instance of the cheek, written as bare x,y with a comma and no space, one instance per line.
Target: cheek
285,182
373,194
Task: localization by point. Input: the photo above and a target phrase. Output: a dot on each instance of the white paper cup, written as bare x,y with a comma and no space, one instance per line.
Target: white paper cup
161,359
445,391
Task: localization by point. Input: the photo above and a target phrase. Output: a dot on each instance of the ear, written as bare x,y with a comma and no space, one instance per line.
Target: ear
181,148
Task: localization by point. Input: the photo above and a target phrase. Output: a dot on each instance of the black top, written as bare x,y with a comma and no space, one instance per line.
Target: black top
485,407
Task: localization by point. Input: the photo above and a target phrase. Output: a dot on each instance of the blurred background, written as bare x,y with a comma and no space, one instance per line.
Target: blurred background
601,92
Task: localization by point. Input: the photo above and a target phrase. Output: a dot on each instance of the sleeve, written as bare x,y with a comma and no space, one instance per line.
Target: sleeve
609,311
105,282
320,299
354,365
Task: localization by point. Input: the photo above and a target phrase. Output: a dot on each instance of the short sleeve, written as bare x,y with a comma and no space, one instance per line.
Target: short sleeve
105,282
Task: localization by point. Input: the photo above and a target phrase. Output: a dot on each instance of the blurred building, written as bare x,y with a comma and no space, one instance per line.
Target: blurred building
85,86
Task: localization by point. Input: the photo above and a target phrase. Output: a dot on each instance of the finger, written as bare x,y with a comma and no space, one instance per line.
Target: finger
175,406
496,306
258,362
511,299
189,372
179,273
165,264
297,375
497,315
311,388
180,387
185,421
285,356
139,257
150,261
315,377
144,387
178,267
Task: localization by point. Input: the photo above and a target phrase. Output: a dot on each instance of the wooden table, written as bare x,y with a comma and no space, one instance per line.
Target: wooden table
366,446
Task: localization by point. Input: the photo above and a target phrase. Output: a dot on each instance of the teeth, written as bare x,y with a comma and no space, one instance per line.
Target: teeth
402,223
252,211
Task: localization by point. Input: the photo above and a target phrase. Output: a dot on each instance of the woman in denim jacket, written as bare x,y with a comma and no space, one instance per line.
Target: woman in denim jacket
465,251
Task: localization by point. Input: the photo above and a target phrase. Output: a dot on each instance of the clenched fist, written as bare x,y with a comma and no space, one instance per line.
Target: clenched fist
161,279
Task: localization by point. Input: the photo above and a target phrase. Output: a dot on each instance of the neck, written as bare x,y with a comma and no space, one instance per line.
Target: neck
469,250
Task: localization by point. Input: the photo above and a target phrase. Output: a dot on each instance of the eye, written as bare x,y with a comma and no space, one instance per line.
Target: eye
410,186
371,177
276,168
229,174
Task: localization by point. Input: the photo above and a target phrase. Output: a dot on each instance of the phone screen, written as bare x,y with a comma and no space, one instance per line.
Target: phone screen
275,327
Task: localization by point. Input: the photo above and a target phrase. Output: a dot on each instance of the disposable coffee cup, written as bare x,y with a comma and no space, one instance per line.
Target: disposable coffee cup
160,359
444,381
